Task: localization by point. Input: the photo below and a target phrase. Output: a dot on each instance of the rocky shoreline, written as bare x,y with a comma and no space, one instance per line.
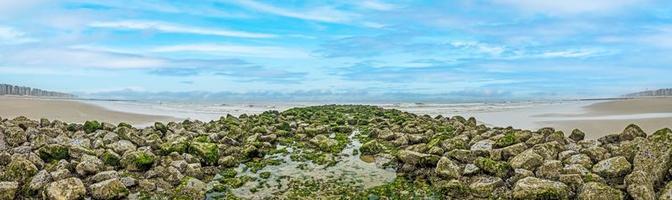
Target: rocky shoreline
247,157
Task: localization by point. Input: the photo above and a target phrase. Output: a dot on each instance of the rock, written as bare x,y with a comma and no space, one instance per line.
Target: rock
613,167
192,188
111,158
631,132
572,180
596,153
194,170
549,170
53,152
8,190
655,156
372,147
207,152
60,174
324,143
519,174
482,147
597,190
470,169
639,185
483,186
102,176
41,179
462,155
535,188
575,169
453,188
447,168
496,168
581,159
513,150
66,189
414,158
666,193
109,189
577,135
122,146
138,160
20,169
128,181
89,165
227,161
15,136
527,160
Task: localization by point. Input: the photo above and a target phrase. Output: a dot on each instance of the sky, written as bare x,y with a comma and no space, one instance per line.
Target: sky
480,49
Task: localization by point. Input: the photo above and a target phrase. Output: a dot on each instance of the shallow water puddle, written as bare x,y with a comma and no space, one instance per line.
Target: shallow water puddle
350,169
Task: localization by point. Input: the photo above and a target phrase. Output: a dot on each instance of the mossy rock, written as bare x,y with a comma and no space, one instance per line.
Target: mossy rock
52,152
497,168
138,161
92,126
372,147
508,140
160,127
111,158
179,145
535,188
208,152
20,170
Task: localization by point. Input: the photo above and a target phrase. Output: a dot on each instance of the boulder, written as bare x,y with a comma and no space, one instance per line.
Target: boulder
414,158
535,188
372,147
527,160
549,170
496,168
41,179
191,188
580,159
53,152
613,167
89,165
8,190
138,160
655,156
666,193
447,168
66,189
597,191
15,136
109,189
631,132
207,152
640,186
20,169
483,186
577,135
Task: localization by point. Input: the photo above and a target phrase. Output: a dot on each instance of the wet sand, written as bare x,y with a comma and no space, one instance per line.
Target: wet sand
611,117
70,111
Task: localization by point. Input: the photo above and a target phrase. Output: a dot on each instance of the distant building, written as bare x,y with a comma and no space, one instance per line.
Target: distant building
6,89
652,93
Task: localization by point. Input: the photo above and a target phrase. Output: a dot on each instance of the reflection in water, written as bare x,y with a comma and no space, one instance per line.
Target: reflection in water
365,172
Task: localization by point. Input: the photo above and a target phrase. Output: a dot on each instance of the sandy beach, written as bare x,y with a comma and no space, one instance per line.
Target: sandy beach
610,117
70,111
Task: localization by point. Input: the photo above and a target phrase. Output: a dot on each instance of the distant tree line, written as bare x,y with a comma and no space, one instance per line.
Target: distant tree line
6,89
652,93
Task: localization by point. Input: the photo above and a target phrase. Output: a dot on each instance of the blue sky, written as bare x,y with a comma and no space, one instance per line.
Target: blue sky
494,49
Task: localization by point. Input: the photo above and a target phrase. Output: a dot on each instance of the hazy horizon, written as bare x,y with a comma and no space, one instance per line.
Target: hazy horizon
396,51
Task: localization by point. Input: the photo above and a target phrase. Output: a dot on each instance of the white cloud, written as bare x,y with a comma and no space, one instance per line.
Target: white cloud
174,28
570,6
236,50
322,14
79,59
377,5
9,35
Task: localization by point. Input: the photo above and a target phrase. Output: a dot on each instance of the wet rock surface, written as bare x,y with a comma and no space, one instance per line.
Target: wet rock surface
327,152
